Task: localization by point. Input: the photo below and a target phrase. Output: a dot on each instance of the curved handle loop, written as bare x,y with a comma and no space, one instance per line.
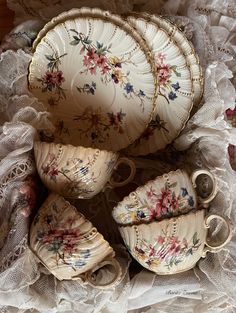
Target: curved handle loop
90,278
202,200
132,167
215,249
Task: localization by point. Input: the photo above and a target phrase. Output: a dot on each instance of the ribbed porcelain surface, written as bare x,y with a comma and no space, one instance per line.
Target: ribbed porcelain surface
74,172
175,89
170,246
65,241
166,196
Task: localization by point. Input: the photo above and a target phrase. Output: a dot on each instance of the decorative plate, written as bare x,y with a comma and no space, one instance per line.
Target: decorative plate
188,50
95,75
175,94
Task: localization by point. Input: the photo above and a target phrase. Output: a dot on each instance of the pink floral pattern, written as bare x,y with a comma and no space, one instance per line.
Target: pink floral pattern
157,205
167,202
61,238
166,249
53,79
99,125
155,124
98,60
167,88
74,168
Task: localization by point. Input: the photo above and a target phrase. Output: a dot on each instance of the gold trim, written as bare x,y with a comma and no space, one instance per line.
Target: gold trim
147,18
190,44
107,17
135,230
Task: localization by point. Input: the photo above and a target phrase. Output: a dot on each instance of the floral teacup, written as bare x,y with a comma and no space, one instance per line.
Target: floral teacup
166,196
68,245
173,245
78,172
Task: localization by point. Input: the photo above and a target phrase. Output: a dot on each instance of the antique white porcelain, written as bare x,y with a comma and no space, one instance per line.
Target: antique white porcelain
173,245
187,49
78,172
166,196
94,73
68,244
175,88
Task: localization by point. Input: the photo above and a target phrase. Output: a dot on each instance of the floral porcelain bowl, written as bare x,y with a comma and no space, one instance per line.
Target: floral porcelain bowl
173,245
166,196
78,172
68,245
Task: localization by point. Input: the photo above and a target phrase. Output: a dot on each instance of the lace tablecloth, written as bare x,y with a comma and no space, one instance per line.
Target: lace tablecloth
206,142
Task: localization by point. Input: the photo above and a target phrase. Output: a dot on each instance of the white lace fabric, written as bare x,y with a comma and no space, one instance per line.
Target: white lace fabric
25,286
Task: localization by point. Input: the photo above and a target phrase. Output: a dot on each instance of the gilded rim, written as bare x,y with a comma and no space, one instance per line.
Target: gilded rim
135,228
147,18
189,43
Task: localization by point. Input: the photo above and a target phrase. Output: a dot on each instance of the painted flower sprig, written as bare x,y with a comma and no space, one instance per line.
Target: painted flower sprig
167,89
53,79
96,60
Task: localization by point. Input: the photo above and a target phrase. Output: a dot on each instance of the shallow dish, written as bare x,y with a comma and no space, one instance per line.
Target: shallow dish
175,89
95,75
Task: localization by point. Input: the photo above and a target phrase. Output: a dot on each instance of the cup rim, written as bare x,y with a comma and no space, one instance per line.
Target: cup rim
192,212
70,146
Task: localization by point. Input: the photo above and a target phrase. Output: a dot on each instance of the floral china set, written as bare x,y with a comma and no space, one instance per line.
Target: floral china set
164,223
117,84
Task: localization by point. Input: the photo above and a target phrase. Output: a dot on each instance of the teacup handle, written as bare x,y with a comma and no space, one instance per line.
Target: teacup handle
215,249
89,276
132,167
194,176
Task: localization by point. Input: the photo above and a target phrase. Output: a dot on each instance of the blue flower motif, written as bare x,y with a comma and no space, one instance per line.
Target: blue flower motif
141,214
129,88
92,91
141,93
191,201
172,95
79,263
184,192
176,86
86,253
84,170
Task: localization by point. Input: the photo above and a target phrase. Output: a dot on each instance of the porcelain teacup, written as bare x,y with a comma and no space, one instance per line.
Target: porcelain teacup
173,245
165,196
68,245
78,172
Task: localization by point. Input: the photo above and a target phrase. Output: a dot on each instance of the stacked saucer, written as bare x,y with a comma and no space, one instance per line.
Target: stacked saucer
114,83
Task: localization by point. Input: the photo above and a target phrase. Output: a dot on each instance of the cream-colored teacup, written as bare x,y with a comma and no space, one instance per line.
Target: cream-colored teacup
78,172
68,245
166,196
173,245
